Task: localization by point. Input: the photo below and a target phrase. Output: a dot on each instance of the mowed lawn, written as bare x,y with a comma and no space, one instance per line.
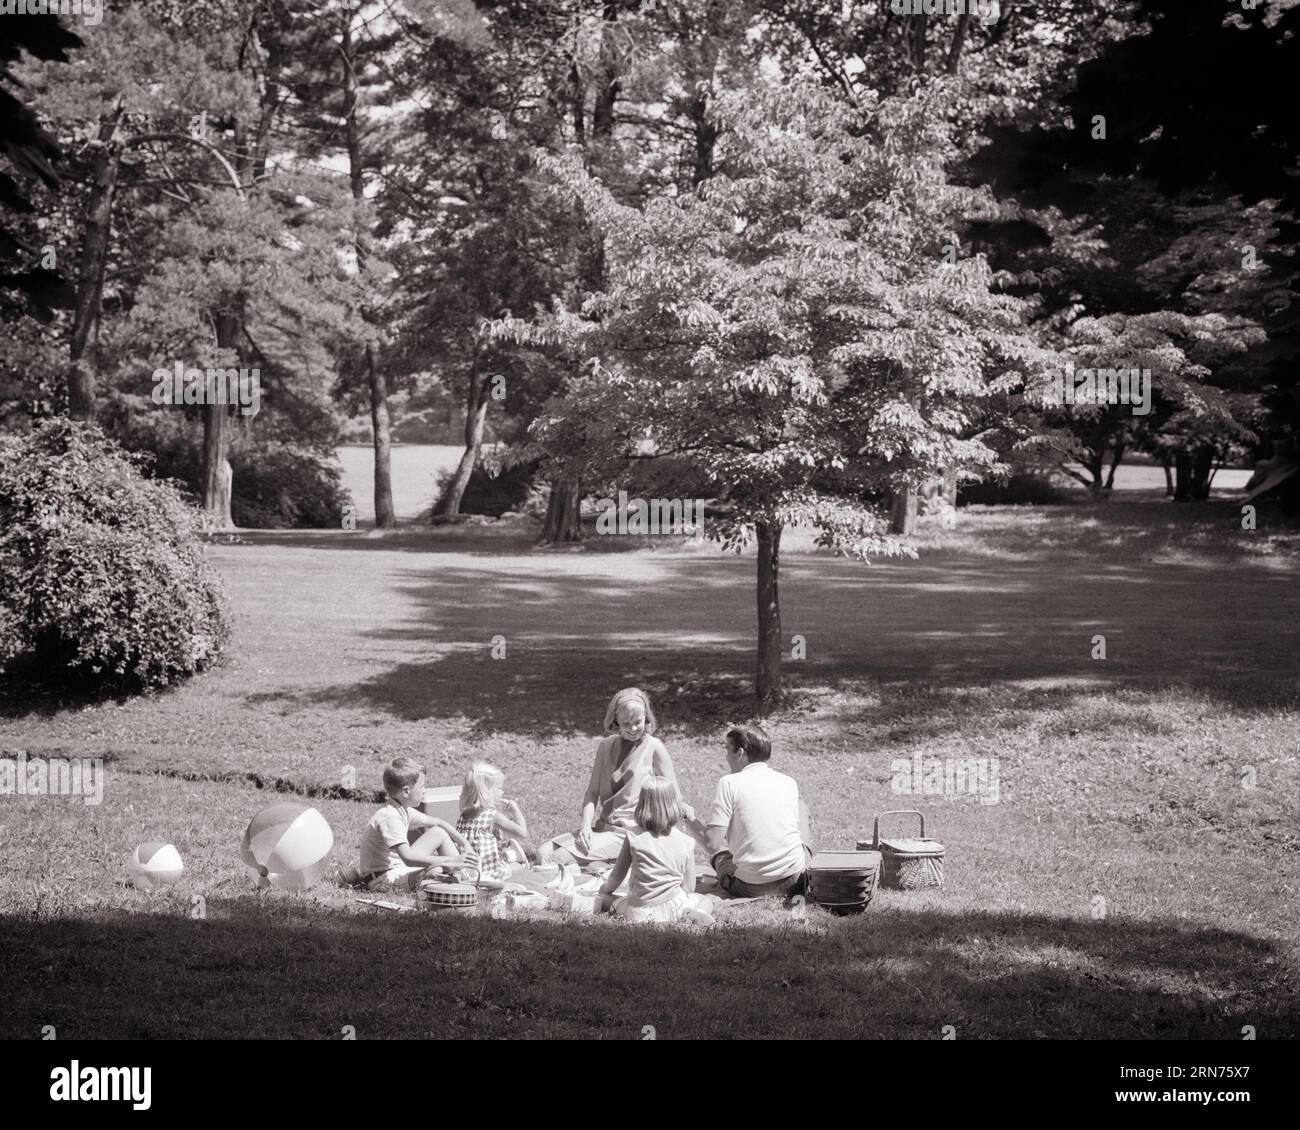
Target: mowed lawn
1125,884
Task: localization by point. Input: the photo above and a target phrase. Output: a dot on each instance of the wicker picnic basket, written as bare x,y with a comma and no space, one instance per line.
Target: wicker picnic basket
907,864
445,893
439,894
843,881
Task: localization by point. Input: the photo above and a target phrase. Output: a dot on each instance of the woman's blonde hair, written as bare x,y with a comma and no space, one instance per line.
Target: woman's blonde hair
626,695
482,787
659,808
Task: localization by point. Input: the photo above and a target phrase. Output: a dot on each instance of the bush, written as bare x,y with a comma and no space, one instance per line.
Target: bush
285,488
493,488
275,486
1021,488
665,477
103,579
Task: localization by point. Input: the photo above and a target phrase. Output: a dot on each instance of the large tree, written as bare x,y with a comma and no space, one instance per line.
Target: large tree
361,83
31,152
1186,195
790,328
476,235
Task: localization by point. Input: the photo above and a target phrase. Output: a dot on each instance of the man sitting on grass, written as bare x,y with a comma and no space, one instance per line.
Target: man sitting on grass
757,830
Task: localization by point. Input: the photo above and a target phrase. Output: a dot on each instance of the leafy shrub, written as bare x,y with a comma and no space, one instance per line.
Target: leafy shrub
286,488
1021,488
665,477
103,579
494,487
276,486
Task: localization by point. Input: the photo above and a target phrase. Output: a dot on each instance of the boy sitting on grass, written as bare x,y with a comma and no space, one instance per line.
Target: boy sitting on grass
389,859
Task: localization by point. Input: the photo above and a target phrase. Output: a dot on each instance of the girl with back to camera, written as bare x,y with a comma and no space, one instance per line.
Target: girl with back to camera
658,859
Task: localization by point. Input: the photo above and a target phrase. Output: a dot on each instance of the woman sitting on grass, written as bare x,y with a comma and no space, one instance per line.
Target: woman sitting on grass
658,859
624,759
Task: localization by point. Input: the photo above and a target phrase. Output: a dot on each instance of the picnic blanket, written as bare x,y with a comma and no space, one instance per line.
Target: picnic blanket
536,879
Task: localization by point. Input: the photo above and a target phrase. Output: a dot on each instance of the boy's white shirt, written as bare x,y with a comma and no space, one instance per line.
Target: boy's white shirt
370,861
393,862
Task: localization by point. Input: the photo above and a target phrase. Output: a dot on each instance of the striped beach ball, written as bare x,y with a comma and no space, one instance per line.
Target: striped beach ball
155,864
287,845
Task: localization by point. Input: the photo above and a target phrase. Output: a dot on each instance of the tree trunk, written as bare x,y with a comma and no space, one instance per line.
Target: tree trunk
1095,465
563,514
1202,472
264,69
958,40
610,85
902,517
90,272
768,687
218,477
1192,473
380,418
920,28
577,104
1116,460
476,406
706,137
1182,476
1167,465
563,522
385,517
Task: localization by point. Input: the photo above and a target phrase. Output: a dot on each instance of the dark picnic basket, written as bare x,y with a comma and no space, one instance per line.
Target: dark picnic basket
907,864
442,894
843,881
445,893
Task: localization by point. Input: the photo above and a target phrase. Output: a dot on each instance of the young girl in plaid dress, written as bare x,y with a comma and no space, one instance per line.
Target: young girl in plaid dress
484,814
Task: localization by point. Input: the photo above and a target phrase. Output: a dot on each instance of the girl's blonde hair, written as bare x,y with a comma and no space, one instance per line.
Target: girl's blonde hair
483,786
626,695
659,808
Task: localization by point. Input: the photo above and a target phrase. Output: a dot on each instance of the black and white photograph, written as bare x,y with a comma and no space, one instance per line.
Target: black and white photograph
651,520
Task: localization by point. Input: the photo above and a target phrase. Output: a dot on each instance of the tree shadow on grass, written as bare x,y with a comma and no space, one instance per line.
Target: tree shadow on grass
297,969
490,539
485,541
22,697
517,648
1129,529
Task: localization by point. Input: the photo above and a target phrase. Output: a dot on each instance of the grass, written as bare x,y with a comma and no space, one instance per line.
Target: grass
1120,779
